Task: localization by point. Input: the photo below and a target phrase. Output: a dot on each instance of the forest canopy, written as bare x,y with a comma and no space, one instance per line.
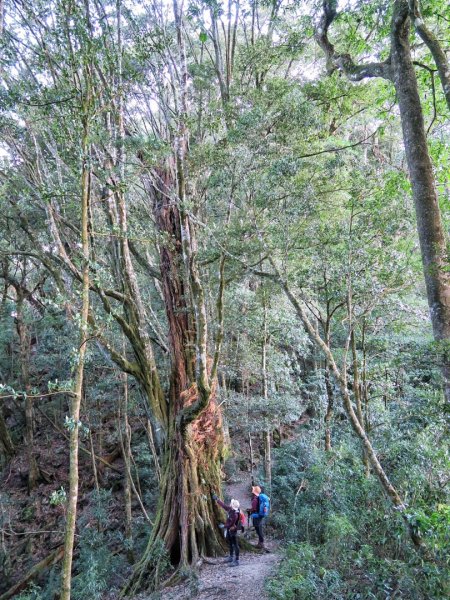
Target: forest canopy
224,258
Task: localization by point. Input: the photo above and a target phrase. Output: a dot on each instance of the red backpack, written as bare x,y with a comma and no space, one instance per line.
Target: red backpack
241,521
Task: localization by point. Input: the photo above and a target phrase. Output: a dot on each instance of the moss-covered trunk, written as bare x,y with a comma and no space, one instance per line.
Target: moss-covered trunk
186,520
185,527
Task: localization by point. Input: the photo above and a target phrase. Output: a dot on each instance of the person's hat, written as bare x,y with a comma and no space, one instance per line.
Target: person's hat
234,504
256,490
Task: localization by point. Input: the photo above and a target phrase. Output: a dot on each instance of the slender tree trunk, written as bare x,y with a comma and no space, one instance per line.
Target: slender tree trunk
330,407
330,393
429,223
66,575
127,475
24,346
267,432
252,459
93,462
357,393
5,439
364,387
225,427
384,480
153,449
125,447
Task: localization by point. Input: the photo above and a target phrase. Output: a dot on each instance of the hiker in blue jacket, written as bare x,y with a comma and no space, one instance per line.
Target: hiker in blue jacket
260,510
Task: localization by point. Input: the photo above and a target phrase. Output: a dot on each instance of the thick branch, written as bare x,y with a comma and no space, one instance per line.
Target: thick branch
27,294
434,47
124,364
343,62
34,572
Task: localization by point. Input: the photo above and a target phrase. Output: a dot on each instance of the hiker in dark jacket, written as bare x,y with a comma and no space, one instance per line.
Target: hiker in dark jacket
231,527
256,518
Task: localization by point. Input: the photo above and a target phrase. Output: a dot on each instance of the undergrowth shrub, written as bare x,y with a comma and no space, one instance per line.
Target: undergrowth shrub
344,541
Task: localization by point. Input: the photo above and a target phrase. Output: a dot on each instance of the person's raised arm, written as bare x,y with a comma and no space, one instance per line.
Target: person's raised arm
226,507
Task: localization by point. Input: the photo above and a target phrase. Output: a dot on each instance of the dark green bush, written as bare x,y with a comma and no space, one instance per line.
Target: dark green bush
344,539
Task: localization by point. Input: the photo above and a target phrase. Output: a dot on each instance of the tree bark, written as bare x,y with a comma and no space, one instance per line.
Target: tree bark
66,575
429,225
24,346
399,69
186,516
434,47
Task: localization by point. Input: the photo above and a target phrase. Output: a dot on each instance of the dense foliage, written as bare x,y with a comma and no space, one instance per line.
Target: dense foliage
214,245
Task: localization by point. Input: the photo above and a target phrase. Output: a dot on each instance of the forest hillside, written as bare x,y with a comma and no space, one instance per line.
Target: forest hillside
224,299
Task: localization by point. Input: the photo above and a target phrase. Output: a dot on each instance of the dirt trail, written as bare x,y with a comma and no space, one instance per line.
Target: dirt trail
219,581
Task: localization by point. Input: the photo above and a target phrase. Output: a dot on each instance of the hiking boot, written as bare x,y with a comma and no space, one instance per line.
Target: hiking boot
235,563
228,560
260,545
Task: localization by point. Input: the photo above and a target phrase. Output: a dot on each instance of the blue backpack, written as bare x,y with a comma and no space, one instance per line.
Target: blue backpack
264,505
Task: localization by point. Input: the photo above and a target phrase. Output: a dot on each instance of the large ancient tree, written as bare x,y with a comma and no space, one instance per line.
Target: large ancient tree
187,414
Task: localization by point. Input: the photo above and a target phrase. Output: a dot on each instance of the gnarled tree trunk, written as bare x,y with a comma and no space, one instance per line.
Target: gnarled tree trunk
186,518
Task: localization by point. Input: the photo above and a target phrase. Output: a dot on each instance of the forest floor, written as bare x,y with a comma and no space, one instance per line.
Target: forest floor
216,580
